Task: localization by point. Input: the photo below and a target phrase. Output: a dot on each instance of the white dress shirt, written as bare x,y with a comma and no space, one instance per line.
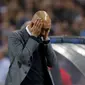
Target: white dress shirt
28,31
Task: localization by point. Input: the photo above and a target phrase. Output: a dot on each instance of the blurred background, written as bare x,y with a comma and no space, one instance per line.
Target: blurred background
68,18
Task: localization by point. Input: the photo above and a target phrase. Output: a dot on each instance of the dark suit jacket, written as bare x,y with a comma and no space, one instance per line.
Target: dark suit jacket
21,48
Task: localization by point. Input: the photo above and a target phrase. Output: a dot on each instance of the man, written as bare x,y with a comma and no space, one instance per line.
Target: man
30,53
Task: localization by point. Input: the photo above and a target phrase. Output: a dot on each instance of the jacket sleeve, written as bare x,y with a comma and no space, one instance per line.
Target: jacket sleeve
50,55
18,50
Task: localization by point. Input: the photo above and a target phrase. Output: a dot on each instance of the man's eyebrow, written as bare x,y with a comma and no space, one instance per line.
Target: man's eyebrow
46,28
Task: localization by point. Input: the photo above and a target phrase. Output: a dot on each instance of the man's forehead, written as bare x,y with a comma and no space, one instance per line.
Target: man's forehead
47,24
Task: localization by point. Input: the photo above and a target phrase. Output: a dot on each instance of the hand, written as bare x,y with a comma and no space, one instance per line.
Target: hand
36,28
45,33
45,37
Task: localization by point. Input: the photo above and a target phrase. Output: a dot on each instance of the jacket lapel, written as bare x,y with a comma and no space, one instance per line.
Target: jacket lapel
24,34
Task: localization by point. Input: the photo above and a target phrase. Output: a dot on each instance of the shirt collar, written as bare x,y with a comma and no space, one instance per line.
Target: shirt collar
28,31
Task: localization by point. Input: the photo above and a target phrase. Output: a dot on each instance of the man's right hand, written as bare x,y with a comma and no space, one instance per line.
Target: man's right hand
36,28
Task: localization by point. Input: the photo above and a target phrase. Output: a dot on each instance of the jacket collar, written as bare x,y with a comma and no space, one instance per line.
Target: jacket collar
24,34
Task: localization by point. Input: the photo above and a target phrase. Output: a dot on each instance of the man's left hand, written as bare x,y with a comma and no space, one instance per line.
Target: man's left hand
45,37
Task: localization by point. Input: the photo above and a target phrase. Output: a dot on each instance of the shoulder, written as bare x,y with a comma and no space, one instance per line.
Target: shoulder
14,34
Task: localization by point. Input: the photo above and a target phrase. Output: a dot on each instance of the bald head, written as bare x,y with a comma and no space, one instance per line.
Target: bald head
41,15
46,22
44,16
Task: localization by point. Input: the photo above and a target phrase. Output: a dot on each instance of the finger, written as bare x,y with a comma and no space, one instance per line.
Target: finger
34,24
37,25
40,27
38,22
